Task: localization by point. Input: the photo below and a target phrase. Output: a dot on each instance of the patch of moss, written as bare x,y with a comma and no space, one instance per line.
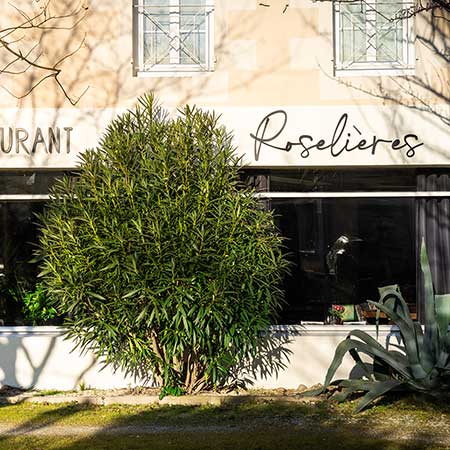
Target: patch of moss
48,392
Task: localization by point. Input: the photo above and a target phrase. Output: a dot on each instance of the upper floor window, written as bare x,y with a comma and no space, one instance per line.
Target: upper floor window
373,38
172,36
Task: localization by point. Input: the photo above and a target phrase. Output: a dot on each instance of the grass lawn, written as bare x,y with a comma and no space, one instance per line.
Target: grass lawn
259,439
405,424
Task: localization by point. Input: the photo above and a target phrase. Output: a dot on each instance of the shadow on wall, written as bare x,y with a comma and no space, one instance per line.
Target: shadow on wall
13,352
273,357
45,359
428,89
28,361
98,66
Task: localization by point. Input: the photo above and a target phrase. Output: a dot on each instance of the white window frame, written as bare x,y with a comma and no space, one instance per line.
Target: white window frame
371,67
175,67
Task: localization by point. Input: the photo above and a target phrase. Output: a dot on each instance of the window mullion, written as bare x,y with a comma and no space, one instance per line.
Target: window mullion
140,42
407,42
174,27
338,51
371,32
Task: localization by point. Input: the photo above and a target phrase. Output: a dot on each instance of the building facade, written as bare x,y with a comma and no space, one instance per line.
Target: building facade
339,110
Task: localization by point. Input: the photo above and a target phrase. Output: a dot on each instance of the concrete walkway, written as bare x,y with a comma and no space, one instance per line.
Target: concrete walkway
119,397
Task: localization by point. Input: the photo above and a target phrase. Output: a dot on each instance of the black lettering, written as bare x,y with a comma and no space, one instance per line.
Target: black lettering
337,134
377,141
337,145
67,130
305,152
54,140
395,144
38,139
6,148
260,137
411,148
362,145
288,146
20,140
321,145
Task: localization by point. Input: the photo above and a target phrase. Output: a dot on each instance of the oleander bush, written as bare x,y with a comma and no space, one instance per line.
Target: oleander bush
162,261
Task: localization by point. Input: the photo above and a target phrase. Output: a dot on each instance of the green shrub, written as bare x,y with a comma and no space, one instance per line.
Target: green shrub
420,363
30,298
161,259
37,307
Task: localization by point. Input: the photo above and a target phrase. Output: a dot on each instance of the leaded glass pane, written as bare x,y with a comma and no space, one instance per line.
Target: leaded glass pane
353,32
157,33
192,32
389,32
192,48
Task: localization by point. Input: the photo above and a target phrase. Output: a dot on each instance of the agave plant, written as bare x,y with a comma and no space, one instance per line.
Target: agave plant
420,363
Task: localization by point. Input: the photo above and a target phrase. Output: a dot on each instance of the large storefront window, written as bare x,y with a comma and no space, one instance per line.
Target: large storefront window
351,231
22,196
343,249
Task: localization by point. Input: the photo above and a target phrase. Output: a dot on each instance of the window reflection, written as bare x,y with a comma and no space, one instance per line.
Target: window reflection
343,249
18,236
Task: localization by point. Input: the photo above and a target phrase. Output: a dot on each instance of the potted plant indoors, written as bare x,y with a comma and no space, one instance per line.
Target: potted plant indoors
335,314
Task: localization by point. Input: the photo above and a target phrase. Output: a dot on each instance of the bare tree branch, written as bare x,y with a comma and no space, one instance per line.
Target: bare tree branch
427,90
23,55
418,6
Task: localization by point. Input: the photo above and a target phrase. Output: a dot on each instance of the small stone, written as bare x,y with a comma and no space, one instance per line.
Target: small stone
301,388
279,391
315,387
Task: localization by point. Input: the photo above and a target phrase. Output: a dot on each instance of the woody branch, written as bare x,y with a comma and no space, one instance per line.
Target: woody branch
23,54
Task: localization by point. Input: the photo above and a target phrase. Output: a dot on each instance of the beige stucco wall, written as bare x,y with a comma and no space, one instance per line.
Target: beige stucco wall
263,57
39,357
267,57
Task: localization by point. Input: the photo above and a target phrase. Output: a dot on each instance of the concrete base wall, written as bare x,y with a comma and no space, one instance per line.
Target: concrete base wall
41,358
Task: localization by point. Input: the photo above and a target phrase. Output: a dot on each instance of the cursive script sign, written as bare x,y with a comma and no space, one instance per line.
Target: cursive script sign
345,139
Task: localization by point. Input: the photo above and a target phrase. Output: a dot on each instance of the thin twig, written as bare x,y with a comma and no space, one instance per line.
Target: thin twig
42,21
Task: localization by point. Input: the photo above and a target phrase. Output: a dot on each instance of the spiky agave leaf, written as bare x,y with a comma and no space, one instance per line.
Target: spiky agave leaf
442,307
414,351
378,384
373,390
370,347
394,306
423,362
431,340
391,296
349,387
442,310
379,389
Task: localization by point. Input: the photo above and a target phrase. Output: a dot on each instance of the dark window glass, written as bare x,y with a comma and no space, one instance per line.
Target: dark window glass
27,182
343,249
342,180
18,236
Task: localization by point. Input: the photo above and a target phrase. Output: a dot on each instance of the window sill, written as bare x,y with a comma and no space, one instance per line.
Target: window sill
29,330
393,72
171,73
289,329
331,330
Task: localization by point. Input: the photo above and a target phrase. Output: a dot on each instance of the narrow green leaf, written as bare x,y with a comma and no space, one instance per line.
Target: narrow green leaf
378,390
